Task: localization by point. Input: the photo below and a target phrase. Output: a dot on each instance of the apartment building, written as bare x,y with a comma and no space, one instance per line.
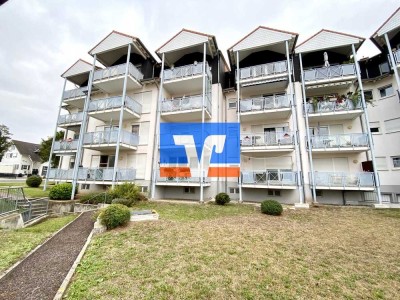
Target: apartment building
317,125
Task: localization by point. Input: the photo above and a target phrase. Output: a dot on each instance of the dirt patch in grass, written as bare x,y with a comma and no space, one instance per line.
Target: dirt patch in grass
340,253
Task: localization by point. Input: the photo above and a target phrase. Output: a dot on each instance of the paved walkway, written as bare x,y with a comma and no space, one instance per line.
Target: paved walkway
41,274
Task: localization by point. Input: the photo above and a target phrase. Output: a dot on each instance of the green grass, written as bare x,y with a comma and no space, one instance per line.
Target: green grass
235,252
30,192
15,244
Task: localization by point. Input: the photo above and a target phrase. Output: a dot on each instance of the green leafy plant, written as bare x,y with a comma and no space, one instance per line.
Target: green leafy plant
222,199
95,198
126,190
61,191
33,181
271,207
115,215
123,201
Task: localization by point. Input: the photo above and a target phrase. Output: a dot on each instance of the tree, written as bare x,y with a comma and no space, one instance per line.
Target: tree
5,139
45,148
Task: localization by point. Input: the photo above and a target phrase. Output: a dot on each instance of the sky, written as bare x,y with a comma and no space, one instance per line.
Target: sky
40,39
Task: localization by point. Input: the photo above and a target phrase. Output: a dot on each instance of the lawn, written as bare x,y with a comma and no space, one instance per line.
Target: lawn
235,252
17,243
30,192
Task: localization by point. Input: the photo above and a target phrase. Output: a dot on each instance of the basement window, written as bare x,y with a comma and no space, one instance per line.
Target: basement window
188,190
233,190
319,193
85,186
274,193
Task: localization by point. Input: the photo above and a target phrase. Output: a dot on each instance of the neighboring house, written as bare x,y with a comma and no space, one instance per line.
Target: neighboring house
21,158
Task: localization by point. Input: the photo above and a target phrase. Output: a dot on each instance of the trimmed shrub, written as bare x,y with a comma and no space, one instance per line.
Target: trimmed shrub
271,207
222,199
33,181
122,201
61,191
127,191
95,198
115,215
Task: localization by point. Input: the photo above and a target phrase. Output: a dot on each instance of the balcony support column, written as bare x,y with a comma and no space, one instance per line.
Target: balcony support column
121,116
238,117
370,140
157,128
203,104
394,65
294,117
85,120
54,137
303,88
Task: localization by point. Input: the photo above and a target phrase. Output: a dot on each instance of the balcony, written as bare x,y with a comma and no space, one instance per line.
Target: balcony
354,142
264,142
185,108
344,181
186,79
109,109
75,97
334,110
65,147
101,175
272,107
176,180
107,140
330,74
70,120
61,175
396,55
269,179
111,79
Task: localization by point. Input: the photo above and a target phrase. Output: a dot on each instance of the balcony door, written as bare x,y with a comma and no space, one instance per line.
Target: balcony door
102,161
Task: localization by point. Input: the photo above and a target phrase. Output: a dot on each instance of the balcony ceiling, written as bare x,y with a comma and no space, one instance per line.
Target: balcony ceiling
391,26
78,73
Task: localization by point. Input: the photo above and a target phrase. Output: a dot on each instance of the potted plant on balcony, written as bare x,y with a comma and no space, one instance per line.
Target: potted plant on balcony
314,102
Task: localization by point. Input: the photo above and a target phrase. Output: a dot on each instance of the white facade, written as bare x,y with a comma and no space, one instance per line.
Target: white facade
16,161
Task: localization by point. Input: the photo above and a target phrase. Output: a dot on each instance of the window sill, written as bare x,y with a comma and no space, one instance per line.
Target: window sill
394,131
386,97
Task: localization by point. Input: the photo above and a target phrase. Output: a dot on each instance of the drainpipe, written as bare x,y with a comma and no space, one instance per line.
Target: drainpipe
314,193
54,138
218,119
121,116
394,66
370,140
202,124
294,118
238,116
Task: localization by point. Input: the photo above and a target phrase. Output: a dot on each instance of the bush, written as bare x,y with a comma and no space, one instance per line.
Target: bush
61,191
115,215
271,207
126,191
222,199
95,198
122,201
33,181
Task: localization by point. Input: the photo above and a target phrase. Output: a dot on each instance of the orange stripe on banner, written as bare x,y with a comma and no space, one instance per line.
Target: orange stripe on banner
223,172
175,172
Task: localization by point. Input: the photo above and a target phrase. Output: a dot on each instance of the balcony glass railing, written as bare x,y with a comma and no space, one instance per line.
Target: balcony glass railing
69,119
185,104
352,140
269,69
65,145
75,93
315,74
333,106
396,55
269,177
266,139
186,71
60,174
344,179
118,70
264,103
195,178
106,174
115,102
110,137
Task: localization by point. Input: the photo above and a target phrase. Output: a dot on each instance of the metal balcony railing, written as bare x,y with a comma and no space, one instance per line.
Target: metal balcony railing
106,174
352,140
269,177
65,145
266,139
75,93
264,103
117,70
186,71
315,74
61,174
72,118
396,55
185,103
195,178
110,137
344,179
273,68
333,106
115,102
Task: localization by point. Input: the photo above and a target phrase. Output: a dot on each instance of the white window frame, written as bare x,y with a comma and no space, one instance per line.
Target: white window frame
397,164
233,190
232,102
189,190
384,88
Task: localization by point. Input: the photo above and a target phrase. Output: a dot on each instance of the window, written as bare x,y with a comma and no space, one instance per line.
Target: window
319,193
386,91
232,104
274,193
144,189
374,127
14,155
85,186
392,125
135,129
381,163
368,95
384,68
44,170
188,190
396,161
233,190
25,167
16,167
71,162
